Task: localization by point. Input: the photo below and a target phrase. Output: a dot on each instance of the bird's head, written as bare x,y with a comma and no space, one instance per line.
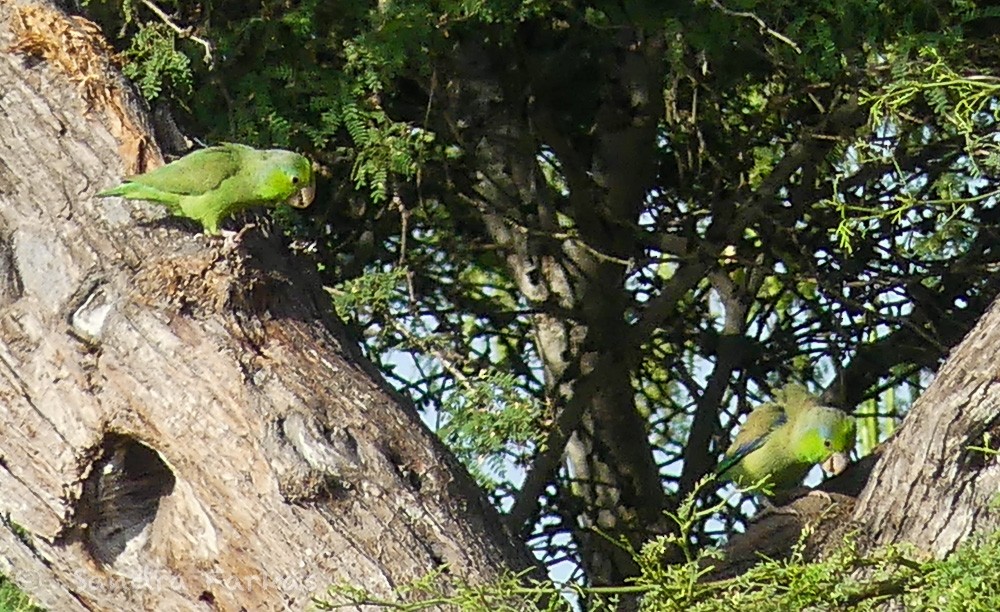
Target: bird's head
289,178
829,434
303,184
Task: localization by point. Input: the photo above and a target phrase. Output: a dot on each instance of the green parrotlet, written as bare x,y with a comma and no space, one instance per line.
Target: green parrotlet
210,184
783,439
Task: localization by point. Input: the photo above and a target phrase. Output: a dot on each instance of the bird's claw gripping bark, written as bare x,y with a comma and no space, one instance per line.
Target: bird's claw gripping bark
231,240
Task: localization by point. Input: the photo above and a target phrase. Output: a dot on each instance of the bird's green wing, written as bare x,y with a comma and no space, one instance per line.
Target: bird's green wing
196,173
759,425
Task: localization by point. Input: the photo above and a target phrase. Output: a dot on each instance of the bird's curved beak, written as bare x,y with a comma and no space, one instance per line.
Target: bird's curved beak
303,197
836,463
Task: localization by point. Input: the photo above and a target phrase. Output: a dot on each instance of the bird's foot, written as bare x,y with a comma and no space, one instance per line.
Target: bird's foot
231,240
787,501
767,507
787,496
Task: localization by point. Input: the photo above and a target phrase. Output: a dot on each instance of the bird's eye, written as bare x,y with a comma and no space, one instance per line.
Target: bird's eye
295,180
827,443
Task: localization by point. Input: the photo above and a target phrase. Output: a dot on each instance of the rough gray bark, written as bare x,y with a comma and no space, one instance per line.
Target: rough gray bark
931,487
186,428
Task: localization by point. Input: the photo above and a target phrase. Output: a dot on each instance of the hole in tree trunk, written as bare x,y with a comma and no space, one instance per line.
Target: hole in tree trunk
121,495
10,280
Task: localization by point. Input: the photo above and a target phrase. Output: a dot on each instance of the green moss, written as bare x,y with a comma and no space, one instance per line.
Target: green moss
848,579
12,599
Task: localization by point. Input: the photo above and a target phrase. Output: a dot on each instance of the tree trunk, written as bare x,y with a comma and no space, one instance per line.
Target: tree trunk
933,486
185,428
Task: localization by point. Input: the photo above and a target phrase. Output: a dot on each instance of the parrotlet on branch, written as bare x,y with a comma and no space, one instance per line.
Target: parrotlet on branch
210,184
783,439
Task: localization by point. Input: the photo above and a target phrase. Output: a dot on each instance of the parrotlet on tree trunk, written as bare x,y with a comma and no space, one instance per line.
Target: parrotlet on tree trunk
210,184
783,439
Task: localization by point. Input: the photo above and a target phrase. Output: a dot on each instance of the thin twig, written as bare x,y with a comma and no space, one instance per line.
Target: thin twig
571,236
426,345
760,23
182,32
